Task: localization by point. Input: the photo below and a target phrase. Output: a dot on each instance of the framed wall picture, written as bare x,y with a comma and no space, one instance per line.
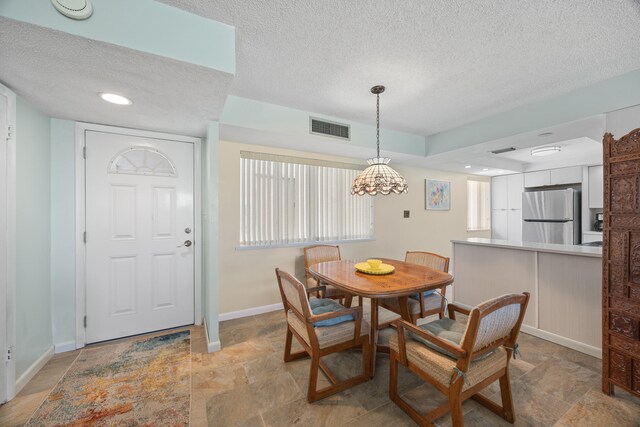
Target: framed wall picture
437,195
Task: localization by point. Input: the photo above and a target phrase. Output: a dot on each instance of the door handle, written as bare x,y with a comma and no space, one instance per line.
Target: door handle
186,243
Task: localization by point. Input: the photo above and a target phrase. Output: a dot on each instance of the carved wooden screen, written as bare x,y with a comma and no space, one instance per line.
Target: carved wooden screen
621,264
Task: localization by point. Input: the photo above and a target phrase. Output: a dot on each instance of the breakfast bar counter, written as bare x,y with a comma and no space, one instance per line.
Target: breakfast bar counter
565,283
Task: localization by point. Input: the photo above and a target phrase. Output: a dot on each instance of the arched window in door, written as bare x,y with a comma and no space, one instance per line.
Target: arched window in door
141,160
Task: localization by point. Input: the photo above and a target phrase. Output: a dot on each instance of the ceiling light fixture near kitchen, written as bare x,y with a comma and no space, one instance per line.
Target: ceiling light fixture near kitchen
468,167
485,169
545,151
378,177
74,9
115,98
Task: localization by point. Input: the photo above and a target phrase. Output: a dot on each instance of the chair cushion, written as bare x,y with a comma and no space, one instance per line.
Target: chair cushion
329,335
441,368
447,329
424,294
432,304
326,305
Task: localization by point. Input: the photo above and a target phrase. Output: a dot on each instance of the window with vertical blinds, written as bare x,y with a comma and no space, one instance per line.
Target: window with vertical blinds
290,200
478,205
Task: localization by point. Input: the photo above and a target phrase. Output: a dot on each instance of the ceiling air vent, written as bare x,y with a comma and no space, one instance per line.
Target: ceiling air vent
327,128
503,150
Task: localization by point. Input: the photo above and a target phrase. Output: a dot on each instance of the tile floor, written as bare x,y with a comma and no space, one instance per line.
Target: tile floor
247,384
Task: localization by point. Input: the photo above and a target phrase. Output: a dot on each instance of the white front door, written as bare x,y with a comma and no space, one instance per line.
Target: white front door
140,233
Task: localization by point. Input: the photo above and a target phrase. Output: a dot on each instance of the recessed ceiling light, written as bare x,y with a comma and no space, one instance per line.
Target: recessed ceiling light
545,134
545,151
468,167
485,169
500,171
115,98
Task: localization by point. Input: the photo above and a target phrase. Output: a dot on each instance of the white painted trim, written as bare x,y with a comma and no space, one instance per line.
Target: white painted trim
8,239
81,302
34,369
250,312
212,346
566,342
64,347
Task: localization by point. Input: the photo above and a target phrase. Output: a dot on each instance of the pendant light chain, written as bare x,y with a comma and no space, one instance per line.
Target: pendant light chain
378,123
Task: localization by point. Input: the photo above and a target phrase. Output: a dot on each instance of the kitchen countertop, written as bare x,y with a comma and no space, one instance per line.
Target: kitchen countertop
588,251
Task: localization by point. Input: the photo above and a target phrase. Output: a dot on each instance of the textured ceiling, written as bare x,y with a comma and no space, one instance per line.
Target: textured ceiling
61,74
444,62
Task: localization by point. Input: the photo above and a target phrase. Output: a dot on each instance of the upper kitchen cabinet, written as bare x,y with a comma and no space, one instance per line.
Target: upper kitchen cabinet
562,176
595,187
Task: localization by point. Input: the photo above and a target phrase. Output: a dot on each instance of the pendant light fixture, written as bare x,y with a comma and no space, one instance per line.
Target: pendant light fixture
378,177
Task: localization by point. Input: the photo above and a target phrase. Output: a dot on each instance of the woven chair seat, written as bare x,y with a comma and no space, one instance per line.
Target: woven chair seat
431,302
441,367
384,316
328,335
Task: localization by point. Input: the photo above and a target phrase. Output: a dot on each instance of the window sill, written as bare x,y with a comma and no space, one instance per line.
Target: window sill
302,244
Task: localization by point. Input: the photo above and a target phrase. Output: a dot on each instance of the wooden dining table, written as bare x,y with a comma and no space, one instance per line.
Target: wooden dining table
407,279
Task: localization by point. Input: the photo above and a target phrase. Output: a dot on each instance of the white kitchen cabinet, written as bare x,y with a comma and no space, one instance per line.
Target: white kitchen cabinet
499,224
515,187
591,237
514,225
499,192
537,178
595,187
561,176
571,175
506,204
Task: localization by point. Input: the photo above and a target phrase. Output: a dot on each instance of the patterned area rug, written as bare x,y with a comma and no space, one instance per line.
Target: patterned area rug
139,383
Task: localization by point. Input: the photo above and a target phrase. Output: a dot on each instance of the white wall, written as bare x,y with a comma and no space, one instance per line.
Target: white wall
33,230
247,277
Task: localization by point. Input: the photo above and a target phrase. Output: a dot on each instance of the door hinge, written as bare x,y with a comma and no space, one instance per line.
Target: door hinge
85,321
84,236
84,152
9,132
9,355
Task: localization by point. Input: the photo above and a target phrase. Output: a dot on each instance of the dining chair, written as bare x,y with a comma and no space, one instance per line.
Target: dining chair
338,328
461,358
323,253
430,302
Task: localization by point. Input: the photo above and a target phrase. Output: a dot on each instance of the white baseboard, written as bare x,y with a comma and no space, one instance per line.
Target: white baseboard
212,346
33,369
250,312
567,342
63,347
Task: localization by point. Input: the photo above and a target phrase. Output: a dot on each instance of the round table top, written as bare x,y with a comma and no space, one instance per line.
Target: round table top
407,279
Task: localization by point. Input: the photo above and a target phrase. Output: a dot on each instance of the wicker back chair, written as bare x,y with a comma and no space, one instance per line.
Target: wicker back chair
323,253
488,341
422,306
320,341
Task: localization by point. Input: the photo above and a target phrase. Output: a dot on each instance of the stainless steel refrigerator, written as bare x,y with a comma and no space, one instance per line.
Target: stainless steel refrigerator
551,216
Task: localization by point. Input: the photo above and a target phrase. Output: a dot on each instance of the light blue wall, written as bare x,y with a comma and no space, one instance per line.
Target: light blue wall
211,228
63,291
248,113
144,25
608,95
33,230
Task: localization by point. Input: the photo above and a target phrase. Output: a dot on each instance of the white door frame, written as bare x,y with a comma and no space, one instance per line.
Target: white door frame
8,240
81,282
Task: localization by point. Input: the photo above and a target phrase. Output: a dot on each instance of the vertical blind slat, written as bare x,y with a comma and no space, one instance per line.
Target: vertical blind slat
284,203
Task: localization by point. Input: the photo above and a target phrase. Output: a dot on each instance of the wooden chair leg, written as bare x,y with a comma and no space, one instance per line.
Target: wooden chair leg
455,405
287,345
507,399
393,376
313,378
